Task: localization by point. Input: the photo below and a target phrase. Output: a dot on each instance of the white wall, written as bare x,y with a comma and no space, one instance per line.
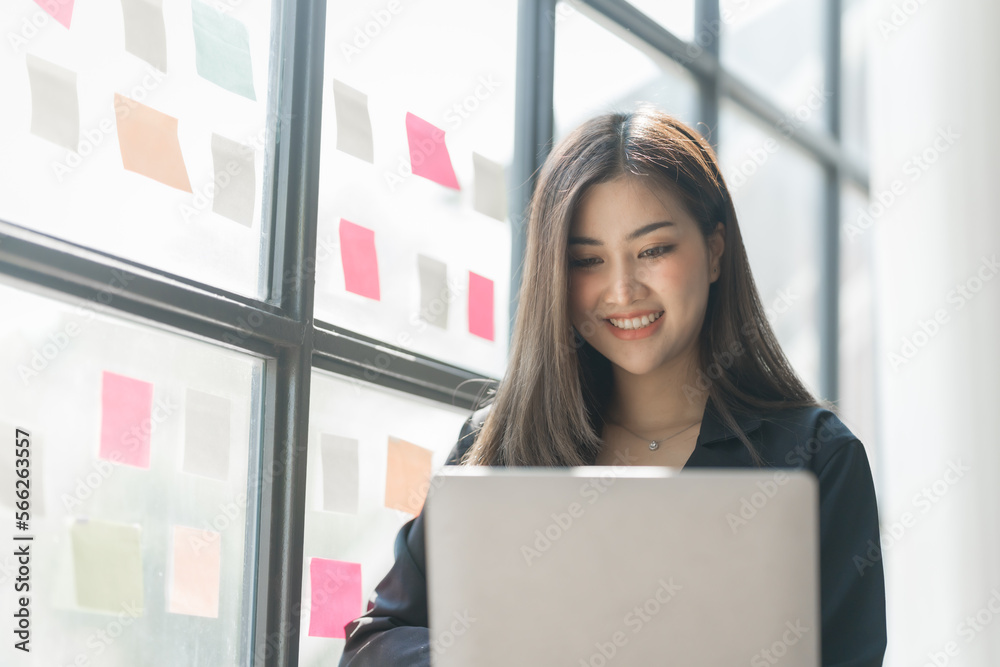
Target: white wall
935,66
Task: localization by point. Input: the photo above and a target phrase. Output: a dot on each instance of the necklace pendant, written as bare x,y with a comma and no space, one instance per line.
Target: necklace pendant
653,446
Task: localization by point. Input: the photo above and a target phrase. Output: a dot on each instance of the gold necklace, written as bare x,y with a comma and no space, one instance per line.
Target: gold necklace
653,444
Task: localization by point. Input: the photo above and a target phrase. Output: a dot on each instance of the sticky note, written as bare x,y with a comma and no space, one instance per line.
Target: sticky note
206,435
194,572
145,33
480,306
222,49
407,476
107,566
340,473
428,152
435,294
335,596
357,254
354,125
490,195
126,408
148,141
55,108
235,179
60,10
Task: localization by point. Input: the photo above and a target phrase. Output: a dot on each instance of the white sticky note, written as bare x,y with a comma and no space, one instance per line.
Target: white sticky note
354,125
235,180
55,109
340,473
491,187
145,34
206,434
435,295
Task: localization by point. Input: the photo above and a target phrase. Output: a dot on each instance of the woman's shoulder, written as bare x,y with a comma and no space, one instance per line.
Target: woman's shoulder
467,435
807,437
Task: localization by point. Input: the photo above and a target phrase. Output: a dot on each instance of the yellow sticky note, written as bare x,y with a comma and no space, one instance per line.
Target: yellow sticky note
107,566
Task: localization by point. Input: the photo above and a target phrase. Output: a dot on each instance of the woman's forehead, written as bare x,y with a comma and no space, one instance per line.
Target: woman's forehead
626,203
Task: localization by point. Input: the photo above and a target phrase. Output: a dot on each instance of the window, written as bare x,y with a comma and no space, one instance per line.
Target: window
259,259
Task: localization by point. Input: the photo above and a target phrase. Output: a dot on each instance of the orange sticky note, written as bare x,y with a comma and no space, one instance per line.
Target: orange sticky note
357,253
194,582
60,10
407,476
480,306
428,152
149,145
335,592
126,407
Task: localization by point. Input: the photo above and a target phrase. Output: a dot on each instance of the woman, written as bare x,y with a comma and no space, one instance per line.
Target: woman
640,333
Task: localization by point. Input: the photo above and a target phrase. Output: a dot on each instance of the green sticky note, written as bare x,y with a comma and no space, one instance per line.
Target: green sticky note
107,564
222,50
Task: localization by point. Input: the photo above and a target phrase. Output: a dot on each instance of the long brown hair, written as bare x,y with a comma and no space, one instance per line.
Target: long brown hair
548,408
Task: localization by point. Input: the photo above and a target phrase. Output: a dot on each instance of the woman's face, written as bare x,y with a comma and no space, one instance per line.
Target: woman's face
634,253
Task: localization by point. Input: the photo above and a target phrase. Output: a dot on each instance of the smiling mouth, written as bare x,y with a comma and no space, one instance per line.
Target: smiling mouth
636,322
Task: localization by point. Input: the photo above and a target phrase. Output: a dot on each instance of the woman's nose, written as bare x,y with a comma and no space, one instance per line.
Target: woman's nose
627,281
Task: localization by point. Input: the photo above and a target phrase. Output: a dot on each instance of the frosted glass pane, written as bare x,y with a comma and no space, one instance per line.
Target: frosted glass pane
776,46
143,486
858,361
141,130
677,16
418,136
854,78
777,190
359,435
599,68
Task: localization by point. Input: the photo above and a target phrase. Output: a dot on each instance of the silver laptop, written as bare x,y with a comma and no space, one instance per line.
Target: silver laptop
603,566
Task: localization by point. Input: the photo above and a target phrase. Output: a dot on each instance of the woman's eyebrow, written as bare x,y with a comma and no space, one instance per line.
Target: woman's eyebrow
586,240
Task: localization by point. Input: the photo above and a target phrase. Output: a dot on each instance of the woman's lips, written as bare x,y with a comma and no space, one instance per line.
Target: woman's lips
635,334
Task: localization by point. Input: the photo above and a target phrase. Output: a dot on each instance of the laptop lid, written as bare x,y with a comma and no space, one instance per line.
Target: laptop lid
599,566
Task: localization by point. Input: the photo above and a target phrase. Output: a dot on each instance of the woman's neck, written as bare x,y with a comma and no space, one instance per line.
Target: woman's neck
654,403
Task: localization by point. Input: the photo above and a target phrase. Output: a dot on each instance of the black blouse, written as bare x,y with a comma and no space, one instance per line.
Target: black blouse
393,630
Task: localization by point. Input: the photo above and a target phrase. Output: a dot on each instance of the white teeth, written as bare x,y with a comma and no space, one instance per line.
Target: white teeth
636,322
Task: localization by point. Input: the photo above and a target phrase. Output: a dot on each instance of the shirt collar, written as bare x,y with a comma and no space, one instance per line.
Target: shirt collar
714,430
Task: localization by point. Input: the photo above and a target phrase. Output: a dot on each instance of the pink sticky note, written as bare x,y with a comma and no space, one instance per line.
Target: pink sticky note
428,152
336,596
194,585
357,252
60,10
480,306
126,406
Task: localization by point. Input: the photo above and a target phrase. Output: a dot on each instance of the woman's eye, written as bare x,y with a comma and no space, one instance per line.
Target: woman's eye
582,263
659,250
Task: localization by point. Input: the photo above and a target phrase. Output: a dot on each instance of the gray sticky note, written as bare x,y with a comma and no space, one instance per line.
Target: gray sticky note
206,435
490,196
354,125
434,291
55,108
235,180
340,473
145,34
107,566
